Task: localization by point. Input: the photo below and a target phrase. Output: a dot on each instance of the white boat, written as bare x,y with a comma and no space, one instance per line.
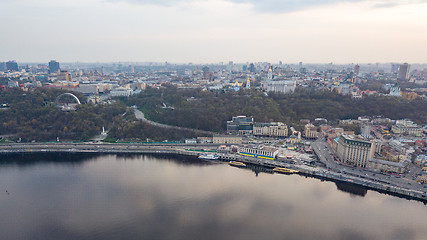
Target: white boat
209,156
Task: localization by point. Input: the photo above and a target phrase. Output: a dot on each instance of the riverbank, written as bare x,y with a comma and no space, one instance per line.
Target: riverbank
197,149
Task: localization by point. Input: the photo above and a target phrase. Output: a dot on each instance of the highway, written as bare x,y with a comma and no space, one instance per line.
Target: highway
325,154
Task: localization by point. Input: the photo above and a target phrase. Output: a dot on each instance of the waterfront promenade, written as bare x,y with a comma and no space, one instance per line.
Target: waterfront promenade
195,150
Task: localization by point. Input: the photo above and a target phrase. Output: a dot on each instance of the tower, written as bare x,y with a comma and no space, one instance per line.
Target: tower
403,74
270,74
12,66
248,84
53,66
356,69
251,68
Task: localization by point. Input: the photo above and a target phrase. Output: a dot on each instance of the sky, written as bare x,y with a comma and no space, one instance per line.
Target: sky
212,31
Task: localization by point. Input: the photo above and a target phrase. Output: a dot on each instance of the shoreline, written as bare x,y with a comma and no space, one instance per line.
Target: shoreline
180,150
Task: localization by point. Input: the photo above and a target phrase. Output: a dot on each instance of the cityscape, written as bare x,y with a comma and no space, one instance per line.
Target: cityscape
213,119
374,152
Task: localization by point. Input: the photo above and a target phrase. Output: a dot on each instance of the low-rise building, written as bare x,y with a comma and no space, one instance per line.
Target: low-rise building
310,131
227,139
259,152
204,139
421,160
273,129
241,125
422,178
282,86
407,127
191,141
121,92
388,166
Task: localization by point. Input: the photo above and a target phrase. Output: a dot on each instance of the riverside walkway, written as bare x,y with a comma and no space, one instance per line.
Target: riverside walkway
195,150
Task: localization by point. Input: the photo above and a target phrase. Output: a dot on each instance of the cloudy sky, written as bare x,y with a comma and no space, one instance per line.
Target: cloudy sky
204,31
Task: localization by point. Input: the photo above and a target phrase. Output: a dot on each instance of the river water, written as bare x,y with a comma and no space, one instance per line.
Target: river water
75,196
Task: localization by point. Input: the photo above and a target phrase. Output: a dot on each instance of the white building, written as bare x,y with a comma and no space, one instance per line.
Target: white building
274,129
407,127
121,92
282,86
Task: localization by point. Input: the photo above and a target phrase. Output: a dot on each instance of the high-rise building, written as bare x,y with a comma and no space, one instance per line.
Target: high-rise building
230,66
403,74
355,151
3,66
53,66
12,66
251,68
394,68
356,69
132,68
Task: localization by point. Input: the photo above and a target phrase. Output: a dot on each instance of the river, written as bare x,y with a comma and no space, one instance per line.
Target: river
81,196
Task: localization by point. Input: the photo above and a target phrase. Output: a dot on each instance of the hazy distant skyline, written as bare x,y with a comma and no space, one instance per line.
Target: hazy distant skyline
339,31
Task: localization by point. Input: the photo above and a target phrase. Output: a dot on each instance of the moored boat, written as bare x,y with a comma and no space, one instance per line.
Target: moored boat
237,164
284,170
209,156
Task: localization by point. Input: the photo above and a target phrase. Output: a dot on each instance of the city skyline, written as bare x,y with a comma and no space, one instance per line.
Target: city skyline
182,31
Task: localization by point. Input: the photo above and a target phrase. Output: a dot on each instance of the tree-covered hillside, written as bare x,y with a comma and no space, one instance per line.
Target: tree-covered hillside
206,110
33,115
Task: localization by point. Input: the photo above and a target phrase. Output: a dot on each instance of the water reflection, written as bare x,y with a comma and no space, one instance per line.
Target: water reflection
351,188
143,197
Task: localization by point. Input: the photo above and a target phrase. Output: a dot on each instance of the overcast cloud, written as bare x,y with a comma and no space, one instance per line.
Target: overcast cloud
281,6
214,30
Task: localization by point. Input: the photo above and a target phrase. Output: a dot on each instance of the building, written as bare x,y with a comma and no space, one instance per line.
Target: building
282,86
12,84
407,127
252,68
356,69
121,92
227,139
403,74
54,66
421,160
355,151
241,125
422,178
395,91
270,74
273,129
3,67
365,130
310,131
259,152
65,76
12,66
248,84
88,89
388,166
